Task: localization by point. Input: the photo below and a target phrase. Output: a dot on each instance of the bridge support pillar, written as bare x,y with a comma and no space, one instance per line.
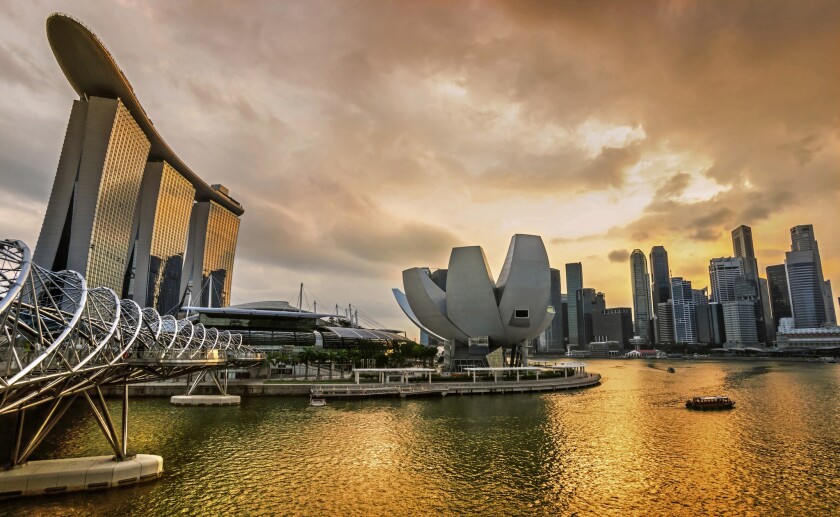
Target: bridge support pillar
78,474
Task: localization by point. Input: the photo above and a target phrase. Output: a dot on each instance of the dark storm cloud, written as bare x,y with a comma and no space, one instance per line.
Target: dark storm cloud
618,256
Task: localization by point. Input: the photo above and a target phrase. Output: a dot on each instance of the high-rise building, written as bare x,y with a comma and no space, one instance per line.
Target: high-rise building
661,285
711,328
806,288
831,315
98,221
574,283
723,273
87,227
682,303
769,327
742,246
614,324
779,295
640,279
165,204
587,303
739,322
665,323
213,234
803,238
554,339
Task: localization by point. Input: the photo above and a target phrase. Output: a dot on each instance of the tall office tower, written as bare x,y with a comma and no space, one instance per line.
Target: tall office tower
700,296
805,284
710,325
665,323
212,246
682,303
742,245
586,303
166,201
803,238
661,286
554,338
767,312
87,227
640,280
739,322
831,315
565,313
779,294
723,273
574,283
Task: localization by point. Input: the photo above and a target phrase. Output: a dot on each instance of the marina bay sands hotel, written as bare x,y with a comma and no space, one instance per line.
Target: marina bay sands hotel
124,209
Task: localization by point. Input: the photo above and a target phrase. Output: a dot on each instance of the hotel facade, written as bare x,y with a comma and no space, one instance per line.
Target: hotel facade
124,209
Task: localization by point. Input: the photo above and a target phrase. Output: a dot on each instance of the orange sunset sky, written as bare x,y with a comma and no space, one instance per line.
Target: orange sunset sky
364,138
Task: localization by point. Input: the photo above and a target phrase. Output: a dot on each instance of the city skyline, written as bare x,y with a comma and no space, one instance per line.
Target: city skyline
383,184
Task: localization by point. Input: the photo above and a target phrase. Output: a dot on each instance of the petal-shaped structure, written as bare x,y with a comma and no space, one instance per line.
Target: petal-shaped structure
471,294
523,287
402,301
428,302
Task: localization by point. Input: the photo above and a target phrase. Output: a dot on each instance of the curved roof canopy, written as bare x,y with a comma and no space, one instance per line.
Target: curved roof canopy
91,70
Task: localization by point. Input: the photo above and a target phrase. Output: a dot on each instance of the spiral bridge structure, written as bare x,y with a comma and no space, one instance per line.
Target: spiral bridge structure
61,340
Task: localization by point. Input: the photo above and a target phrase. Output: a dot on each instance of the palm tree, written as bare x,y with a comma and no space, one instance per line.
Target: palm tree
306,356
342,356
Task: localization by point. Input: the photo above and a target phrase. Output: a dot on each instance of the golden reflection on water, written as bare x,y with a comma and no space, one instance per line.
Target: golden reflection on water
627,447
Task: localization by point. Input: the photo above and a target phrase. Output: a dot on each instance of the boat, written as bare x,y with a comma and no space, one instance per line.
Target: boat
831,360
715,402
671,369
317,401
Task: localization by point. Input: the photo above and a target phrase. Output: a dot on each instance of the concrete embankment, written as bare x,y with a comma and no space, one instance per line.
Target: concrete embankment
261,388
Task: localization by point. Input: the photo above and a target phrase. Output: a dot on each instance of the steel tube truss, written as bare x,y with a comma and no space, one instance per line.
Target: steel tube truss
60,339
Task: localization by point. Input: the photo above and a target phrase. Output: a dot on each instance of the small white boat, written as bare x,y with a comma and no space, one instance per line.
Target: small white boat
317,401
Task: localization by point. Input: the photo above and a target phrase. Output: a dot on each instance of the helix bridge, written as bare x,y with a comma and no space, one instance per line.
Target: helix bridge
62,340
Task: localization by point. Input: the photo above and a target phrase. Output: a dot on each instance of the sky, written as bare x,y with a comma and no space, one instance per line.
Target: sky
365,138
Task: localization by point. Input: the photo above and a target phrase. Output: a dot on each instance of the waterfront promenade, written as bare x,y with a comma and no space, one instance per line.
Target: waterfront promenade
348,389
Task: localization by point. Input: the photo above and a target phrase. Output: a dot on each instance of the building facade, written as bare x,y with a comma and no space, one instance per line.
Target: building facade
661,286
779,295
640,282
555,340
574,283
683,304
739,322
166,202
723,274
98,221
615,324
89,218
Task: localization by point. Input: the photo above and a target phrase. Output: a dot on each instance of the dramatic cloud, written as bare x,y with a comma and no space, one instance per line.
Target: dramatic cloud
367,137
618,256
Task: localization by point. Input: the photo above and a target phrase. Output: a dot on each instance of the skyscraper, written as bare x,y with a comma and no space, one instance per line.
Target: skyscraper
665,323
805,279
723,273
661,286
87,227
682,301
739,322
587,303
555,340
213,235
742,246
97,221
574,283
640,280
165,204
779,294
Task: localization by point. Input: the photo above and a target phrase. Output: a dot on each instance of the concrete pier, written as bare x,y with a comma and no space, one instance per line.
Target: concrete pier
205,400
77,474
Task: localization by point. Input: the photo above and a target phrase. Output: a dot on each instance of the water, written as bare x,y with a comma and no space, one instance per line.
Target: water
627,447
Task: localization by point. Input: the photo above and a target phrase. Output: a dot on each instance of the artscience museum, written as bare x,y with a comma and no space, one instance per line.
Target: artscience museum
483,322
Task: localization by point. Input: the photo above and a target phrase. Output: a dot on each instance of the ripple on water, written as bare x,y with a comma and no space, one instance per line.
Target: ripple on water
626,447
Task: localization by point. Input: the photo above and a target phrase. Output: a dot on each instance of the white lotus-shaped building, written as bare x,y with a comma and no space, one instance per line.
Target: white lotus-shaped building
470,306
